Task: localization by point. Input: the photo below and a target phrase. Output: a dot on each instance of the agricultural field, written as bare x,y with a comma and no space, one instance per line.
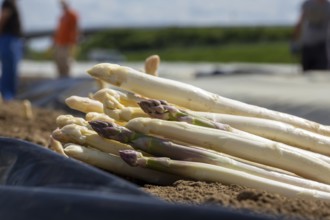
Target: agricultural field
209,44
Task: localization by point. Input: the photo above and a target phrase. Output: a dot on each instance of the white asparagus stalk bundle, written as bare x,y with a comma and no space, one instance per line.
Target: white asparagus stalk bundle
265,153
248,134
128,113
164,148
274,130
83,136
190,96
249,126
84,104
212,173
162,110
116,165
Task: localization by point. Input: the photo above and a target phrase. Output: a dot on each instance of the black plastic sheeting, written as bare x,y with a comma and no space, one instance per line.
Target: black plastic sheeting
38,184
51,93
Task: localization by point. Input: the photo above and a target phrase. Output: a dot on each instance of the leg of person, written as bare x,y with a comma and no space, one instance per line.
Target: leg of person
57,59
2,44
62,60
320,56
10,55
306,58
66,61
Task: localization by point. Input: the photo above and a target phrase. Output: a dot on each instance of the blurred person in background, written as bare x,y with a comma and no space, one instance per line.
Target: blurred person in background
311,33
11,48
65,39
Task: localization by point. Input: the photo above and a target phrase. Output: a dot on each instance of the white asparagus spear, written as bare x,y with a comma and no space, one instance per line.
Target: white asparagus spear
116,165
84,104
190,96
151,65
265,153
274,130
27,107
212,173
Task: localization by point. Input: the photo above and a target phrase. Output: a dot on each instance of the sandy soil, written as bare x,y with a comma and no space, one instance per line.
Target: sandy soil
13,123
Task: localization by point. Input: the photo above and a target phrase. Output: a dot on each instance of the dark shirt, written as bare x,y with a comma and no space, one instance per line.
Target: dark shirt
13,24
316,23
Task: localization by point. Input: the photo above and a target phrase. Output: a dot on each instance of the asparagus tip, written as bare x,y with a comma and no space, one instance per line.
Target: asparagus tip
155,108
111,130
102,69
131,157
100,126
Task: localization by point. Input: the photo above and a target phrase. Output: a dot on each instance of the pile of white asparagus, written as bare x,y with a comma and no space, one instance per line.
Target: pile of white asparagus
158,130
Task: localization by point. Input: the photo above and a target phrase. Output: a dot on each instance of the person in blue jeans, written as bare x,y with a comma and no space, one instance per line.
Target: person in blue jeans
10,48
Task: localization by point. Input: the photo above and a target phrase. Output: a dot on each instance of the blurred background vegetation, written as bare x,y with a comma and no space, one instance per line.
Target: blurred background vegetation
210,44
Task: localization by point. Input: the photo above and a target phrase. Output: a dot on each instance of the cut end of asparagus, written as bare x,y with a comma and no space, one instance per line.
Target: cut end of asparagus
131,157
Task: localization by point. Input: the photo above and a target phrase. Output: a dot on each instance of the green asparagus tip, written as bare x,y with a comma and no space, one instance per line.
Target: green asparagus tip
131,157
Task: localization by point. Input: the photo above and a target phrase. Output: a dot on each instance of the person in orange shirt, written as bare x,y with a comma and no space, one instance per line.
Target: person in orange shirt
65,39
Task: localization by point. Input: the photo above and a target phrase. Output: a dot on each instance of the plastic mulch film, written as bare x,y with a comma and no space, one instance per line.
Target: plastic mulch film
39,184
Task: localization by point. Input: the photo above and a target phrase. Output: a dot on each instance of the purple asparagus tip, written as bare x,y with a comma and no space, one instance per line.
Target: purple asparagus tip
101,127
111,130
130,157
155,108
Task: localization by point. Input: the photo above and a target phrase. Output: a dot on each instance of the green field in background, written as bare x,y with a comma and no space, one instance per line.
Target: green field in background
203,44
270,52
